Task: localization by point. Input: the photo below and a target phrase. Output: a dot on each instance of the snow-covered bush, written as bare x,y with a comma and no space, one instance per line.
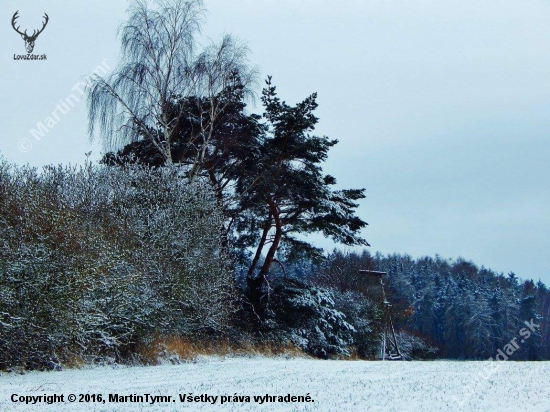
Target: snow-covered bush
177,242
95,259
366,318
305,315
413,347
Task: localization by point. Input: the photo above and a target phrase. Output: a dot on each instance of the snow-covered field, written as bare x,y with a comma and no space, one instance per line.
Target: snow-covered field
333,385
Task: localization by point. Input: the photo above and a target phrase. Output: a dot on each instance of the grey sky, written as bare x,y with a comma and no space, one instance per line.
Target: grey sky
441,108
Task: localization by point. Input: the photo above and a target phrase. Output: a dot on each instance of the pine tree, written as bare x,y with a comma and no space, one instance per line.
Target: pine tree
285,193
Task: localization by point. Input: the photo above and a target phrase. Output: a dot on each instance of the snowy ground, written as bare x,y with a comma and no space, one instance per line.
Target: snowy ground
333,385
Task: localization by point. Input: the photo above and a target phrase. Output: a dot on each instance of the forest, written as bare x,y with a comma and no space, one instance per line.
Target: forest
192,233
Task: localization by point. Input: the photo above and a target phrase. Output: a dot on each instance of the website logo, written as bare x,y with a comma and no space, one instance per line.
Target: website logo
29,40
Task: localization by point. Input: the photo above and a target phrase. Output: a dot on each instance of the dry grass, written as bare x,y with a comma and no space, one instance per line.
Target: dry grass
175,349
353,356
74,362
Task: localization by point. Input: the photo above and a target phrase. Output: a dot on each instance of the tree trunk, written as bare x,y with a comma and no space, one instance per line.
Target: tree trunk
259,249
258,287
224,231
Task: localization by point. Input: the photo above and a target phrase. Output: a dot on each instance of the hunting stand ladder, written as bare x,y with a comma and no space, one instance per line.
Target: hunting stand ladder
389,350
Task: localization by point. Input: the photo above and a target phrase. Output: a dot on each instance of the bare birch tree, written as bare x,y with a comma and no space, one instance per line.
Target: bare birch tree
161,62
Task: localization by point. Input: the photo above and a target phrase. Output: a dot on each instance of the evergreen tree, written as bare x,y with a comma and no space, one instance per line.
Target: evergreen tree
285,193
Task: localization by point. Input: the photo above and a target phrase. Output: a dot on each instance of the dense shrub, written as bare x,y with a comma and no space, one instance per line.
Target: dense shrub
93,260
305,315
366,318
414,347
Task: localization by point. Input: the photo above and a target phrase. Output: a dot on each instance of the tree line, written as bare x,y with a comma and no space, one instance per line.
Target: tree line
465,311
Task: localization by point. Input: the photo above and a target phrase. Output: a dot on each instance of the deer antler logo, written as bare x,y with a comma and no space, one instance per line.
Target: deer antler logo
29,40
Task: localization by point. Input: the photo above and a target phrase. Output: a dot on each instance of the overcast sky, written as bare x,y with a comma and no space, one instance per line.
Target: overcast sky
441,107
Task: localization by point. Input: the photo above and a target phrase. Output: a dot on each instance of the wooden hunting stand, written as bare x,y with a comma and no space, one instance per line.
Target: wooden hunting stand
389,350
